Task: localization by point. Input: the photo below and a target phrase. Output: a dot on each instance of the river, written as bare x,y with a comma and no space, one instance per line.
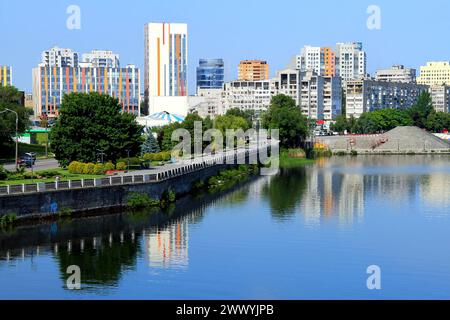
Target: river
307,233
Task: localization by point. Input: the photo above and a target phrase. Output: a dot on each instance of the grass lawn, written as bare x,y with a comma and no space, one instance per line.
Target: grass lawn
64,175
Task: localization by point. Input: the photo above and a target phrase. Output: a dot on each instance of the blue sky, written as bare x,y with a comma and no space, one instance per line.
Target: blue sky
412,32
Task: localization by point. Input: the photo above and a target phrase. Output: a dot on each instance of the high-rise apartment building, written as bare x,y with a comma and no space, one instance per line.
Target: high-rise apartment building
320,96
61,73
253,70
60,57
329,61
287,82
210,74
370,95
102,59
166,66
50,84
435,73
321,60
5,76
351,61
440,95
397,73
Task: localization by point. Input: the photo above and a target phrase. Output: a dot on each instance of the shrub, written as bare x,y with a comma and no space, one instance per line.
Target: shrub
149,157
109,166
3,173
296,153
80,167
141,200
49,174
89,168
121,166
73,167
354,153
99,169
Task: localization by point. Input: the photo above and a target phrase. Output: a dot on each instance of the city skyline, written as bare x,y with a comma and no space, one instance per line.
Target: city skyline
273,45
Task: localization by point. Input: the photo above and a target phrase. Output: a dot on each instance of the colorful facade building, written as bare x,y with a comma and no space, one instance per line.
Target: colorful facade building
5,76
329,61
51,83
321,60
166,67
253,70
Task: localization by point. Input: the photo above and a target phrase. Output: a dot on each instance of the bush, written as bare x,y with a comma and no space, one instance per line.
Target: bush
73,167
354,153
296,153
121,166
109,166
88,168
3,173
99,169
141,200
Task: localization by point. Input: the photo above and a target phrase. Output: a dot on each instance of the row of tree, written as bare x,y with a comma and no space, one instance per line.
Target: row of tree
91,127
421,114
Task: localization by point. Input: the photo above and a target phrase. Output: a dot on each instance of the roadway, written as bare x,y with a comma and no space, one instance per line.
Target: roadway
44,164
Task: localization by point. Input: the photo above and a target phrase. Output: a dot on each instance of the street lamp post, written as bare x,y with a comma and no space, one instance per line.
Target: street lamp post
17,133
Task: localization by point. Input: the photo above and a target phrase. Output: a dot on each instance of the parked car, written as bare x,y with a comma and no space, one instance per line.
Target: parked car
32,155
26,161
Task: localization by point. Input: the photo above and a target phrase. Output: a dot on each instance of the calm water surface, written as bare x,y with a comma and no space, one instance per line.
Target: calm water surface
307,233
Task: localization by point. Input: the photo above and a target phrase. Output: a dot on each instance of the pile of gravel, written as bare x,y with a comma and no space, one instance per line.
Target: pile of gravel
412,139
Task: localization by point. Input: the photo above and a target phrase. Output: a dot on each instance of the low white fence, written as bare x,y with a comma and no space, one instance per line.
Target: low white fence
196,165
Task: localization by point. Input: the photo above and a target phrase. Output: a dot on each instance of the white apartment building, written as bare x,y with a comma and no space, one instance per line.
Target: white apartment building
166,67
435,73
320,97
102,59
351,61
369,95
310,58
287,82
246,95
311,95
59,57
397,73
440,95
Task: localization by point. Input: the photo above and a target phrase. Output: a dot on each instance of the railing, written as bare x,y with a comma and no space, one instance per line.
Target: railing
196,164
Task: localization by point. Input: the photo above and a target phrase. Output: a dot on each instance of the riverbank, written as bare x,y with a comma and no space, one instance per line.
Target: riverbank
293,158
112,193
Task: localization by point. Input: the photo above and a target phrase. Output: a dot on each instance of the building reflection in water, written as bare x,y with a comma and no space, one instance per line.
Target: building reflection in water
341,187
435,191
169,245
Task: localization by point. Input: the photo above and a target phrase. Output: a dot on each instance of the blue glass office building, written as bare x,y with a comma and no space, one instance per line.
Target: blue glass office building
210,74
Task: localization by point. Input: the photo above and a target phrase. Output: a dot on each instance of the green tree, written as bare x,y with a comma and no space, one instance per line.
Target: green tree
340,125
150,144
223,123
438,121
420,111
248,115
284,115
93,123
10,98
382,120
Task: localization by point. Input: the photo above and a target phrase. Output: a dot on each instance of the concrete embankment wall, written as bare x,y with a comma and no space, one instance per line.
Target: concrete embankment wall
42,204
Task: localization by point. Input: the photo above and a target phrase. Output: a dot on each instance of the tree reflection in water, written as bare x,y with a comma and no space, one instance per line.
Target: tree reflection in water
284,191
